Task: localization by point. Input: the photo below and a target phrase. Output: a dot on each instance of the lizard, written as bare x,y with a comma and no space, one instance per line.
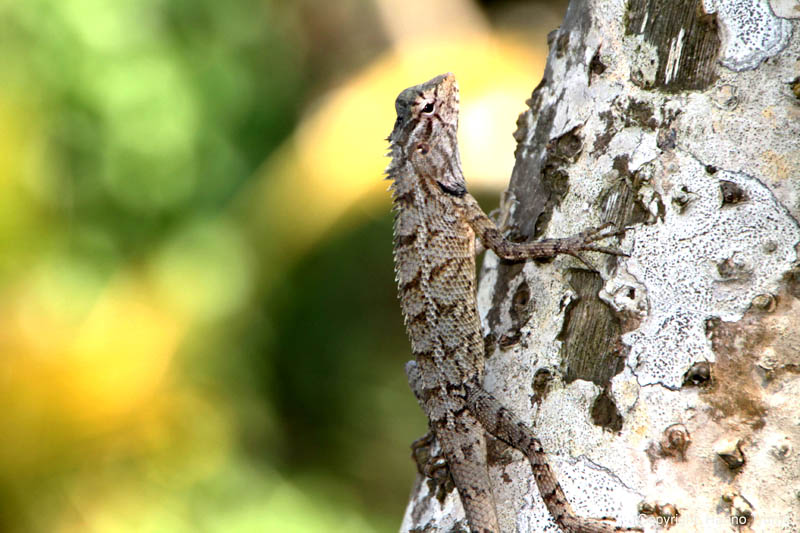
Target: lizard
438,230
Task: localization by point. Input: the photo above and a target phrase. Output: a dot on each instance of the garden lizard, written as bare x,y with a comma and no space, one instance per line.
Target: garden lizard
436,225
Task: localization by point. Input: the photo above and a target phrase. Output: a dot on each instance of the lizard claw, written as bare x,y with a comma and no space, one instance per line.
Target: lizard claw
588,238
604,231
606,250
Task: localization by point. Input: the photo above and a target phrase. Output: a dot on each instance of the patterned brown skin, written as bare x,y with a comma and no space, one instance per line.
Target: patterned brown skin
435,232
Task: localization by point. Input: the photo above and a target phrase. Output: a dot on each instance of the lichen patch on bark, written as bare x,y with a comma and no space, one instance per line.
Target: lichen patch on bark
751,32
744,249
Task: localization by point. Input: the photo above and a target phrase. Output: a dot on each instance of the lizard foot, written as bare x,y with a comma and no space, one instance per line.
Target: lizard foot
430,461
586,240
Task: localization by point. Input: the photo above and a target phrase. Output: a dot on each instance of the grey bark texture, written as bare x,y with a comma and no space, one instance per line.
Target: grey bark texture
665,387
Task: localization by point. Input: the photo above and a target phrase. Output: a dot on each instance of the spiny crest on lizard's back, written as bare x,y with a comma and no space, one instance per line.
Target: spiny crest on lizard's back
423,142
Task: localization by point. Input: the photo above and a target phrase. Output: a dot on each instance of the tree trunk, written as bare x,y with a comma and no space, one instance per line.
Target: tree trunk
665,387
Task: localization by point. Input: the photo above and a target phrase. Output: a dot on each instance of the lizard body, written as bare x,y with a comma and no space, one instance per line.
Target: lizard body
436,226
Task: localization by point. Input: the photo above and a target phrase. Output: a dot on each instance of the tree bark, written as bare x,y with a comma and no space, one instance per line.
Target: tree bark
665,387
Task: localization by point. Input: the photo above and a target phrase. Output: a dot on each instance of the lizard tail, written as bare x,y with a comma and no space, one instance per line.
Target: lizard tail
506,426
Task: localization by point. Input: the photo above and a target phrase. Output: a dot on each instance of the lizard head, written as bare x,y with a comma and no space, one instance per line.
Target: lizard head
424,133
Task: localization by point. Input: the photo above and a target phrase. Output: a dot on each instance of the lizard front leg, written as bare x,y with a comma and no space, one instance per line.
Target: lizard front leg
490,237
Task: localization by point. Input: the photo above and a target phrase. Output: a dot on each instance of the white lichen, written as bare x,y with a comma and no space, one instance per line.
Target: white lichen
786,8
750,31
703,260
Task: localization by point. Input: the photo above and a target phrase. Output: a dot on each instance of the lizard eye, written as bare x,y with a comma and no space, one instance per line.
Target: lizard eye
428,109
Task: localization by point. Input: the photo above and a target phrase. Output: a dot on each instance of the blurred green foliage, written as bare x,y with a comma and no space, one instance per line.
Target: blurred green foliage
152,108
165,364
130,126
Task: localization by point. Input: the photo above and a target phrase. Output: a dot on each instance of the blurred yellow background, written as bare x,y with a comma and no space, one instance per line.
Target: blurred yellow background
198,323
